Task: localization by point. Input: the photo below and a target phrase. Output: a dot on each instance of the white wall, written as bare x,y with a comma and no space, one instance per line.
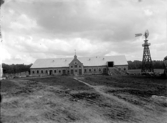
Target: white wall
46,71
122,67
94,70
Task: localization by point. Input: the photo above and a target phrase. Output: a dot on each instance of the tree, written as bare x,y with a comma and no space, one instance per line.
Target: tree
1,2
17,68
157,64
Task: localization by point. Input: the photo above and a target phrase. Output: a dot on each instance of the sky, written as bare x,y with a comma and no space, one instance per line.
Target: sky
33,29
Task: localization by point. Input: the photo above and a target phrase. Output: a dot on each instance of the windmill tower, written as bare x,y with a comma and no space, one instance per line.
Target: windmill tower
147,66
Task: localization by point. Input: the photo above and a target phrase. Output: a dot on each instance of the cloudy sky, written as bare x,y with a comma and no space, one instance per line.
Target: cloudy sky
33,29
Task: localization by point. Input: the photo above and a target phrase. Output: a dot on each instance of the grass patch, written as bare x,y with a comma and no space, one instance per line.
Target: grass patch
137,85
60,116
65,81
116,111
7,85
86,96
139,93
23,88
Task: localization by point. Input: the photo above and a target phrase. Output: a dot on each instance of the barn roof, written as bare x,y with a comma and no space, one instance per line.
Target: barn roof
87,61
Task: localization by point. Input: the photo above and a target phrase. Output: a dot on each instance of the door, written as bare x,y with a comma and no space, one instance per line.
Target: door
64,71
50,72
80,71
104,70
72,72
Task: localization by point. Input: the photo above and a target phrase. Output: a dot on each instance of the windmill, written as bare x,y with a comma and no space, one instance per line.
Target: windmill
147,65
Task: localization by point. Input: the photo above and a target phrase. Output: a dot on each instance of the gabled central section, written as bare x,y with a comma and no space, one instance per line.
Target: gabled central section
76,67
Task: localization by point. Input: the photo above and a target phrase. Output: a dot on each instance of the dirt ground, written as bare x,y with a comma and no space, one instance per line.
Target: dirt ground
86,99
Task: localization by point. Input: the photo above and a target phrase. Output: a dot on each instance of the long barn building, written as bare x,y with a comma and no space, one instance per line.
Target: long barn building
78,65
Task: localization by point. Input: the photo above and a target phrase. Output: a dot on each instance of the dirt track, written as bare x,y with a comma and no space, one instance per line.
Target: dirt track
140,112
37,101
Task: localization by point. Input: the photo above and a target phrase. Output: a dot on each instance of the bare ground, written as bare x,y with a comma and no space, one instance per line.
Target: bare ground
75,100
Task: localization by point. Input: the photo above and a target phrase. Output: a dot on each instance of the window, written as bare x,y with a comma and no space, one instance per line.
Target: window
75,62
37,71
46,71
50,72
85,70
89,70
41,71
124,68
80,71
64,71
75,66
59,71
71,71
94,69
99,69
33,72
80,66
55,71
75,70
71,66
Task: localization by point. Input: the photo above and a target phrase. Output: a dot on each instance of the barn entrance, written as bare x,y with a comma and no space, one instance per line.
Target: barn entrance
64,71
80,72
104,70
110,64
50,72
72,72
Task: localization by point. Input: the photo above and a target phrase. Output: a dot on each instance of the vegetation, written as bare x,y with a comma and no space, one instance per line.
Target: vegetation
136,85
64,99
138,64
64,81
15,68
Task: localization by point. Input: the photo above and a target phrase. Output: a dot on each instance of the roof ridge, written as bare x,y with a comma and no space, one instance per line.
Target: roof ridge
94,61
79,57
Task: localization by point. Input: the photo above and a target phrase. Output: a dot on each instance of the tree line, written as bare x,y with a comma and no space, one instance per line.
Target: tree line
157,64
15,68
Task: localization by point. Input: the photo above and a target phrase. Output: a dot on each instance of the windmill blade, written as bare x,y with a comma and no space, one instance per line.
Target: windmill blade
139,34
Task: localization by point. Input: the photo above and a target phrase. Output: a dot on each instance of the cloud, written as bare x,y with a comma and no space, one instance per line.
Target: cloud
41,29
4,53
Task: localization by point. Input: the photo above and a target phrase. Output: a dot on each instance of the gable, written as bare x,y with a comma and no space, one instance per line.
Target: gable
75,61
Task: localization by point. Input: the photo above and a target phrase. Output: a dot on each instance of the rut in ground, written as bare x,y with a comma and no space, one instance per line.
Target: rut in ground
141,113
99,89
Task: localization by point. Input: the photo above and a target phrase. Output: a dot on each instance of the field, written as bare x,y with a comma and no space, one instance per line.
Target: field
84,99
136,71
